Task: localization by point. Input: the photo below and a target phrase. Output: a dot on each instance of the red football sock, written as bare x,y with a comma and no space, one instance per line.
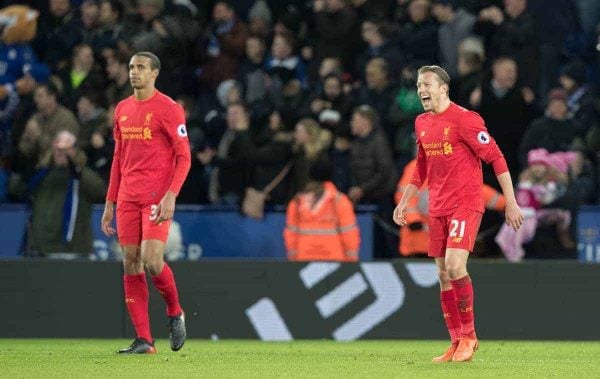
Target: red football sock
451,314
165,284
136,299
463,290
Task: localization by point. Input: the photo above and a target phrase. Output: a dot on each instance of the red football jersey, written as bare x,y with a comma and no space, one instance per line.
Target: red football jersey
152,151
451,146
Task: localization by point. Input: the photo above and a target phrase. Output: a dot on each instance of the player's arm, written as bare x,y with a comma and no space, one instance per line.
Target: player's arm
173,122
418,178
113,184
475,135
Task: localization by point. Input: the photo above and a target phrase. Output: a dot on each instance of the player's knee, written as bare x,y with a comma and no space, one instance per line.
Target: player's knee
444,277
133,265
153,263
456,271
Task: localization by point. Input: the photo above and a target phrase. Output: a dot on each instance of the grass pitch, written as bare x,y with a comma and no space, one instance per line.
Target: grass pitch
36,358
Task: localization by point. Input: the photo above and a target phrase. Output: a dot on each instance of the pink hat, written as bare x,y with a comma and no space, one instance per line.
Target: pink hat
562,160
539,156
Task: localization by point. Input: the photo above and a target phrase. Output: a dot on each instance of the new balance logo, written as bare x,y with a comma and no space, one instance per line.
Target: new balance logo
380,278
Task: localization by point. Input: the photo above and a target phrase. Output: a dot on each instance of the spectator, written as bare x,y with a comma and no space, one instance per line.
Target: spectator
512,33
456,25
62,193
553,131
20,69
92,119
470,71
252,75
283,64
330,105
311,143
59,31
164,35
418,39
259,19
320,221
117,72
405,109
111,28
50,118
379,93
81,76
506,108
335,30
373,173
101,145
271,152
581,99
224,46
229,175
374,176
541,183
377,35
215,110
90,17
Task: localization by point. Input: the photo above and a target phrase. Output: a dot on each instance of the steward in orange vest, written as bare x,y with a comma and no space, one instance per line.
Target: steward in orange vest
414,237
320,222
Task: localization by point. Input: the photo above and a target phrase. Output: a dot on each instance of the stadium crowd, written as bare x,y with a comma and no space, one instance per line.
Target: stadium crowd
267,83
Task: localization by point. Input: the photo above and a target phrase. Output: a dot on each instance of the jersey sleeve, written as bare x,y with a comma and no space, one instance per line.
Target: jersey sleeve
115,170
475,135
173,123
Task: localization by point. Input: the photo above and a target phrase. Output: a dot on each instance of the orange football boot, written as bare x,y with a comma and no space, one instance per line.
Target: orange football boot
466,349
447,356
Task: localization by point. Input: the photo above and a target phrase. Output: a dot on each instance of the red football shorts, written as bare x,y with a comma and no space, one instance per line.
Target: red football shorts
455,231
136,221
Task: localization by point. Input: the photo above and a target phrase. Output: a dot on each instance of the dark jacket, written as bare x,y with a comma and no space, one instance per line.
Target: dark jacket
515,38
552,135
372,166
47,210
337,34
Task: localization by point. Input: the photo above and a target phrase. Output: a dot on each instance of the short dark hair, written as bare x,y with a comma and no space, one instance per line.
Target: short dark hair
51,88
154,61
368,112
227,3
440,72
116,6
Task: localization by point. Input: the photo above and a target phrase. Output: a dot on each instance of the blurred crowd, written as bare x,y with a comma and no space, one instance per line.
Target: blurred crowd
265,84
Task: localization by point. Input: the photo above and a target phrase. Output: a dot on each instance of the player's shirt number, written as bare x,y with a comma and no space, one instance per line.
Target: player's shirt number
457,226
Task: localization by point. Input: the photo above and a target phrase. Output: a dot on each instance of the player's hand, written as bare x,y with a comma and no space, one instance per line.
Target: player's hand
107,218
400,214
514,216
166,208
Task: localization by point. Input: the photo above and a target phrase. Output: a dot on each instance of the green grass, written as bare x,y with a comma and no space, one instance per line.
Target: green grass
300,359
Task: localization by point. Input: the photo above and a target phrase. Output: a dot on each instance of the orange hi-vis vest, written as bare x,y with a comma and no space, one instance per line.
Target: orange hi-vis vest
324,229
417,241
493,199
413,241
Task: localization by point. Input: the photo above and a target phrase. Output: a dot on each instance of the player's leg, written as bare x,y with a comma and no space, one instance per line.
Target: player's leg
437,246
153,249
463,228
134,278
456,264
